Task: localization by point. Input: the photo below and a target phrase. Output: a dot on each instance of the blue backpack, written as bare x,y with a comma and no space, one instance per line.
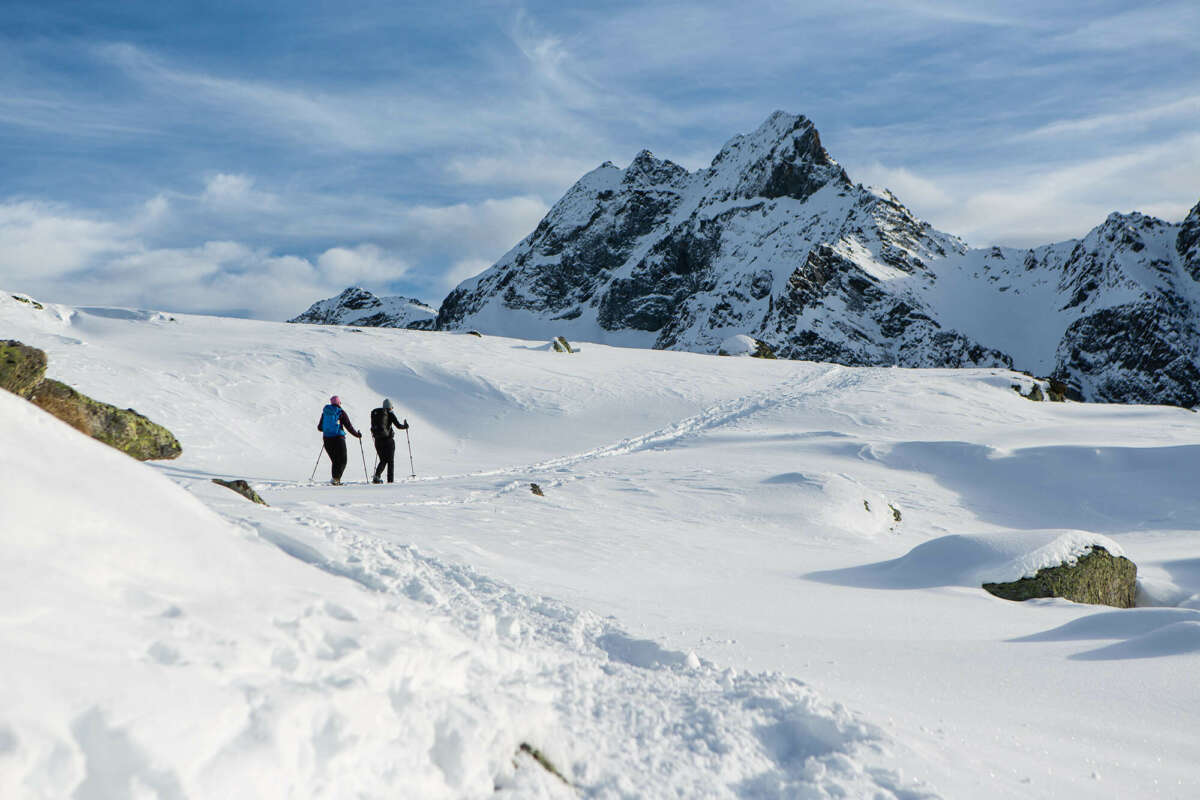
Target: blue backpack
331,421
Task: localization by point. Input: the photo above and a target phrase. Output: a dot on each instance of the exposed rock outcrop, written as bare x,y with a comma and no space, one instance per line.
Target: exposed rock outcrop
1096,577
21,367
241,487
22,371
124,429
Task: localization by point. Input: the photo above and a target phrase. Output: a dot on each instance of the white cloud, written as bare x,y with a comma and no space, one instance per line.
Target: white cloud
227,192
1039,205
461,270
520,168
43,240
362,264
907,185
60,255
480,230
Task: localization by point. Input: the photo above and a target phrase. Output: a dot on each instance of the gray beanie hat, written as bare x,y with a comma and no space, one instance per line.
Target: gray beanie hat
387,404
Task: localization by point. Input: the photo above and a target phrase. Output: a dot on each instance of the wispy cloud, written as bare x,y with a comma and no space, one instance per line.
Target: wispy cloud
1184,109
1047,203
1163,23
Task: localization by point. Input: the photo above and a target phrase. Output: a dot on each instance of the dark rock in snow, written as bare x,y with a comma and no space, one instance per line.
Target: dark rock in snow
1097,577
242,488
21,371
124,429
21,367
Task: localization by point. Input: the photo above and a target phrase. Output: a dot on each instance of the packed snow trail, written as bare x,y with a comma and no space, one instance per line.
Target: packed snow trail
231,668
701,505
712,418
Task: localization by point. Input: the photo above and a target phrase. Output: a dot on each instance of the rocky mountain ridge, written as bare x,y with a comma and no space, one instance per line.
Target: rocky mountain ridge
775,241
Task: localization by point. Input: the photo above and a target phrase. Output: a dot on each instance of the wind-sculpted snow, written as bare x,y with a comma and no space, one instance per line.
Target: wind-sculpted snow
975,559
774,241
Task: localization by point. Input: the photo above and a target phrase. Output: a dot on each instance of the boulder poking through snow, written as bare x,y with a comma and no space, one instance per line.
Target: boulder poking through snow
241,487
743,345
1075,565
1097,577
124,429
21,367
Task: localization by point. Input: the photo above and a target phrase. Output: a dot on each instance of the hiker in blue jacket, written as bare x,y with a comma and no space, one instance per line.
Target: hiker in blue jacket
333,424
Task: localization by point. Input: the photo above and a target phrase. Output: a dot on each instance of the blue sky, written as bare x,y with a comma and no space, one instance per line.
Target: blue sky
251,157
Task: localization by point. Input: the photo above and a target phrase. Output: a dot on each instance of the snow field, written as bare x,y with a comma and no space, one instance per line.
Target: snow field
695,511
161,643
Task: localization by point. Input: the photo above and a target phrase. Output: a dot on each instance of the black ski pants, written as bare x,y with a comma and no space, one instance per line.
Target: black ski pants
335,446
385,448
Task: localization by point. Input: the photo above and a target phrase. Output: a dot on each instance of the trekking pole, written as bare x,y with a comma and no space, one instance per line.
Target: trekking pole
363,453
313,477
411,468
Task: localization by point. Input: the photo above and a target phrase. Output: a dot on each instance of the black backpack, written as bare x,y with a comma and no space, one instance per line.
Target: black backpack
379,423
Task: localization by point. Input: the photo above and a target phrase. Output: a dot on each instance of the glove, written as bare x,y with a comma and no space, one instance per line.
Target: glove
358,435
406,423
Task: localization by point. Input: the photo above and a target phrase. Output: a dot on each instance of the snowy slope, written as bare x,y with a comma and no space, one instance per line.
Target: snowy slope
773,240
357,306
713,531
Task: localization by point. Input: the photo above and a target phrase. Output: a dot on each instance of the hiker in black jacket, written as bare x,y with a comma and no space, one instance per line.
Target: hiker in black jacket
333,424
382,422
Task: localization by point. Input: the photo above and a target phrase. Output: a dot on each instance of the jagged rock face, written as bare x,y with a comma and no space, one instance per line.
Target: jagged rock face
1188,243
357,306
1130,302
775,242
772,240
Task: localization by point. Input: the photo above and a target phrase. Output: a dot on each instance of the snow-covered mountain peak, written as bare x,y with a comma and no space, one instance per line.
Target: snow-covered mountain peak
357,306
773,241
784,157
646,171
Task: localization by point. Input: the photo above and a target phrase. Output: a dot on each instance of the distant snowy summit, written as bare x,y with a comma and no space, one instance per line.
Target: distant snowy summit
357,306
774,241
